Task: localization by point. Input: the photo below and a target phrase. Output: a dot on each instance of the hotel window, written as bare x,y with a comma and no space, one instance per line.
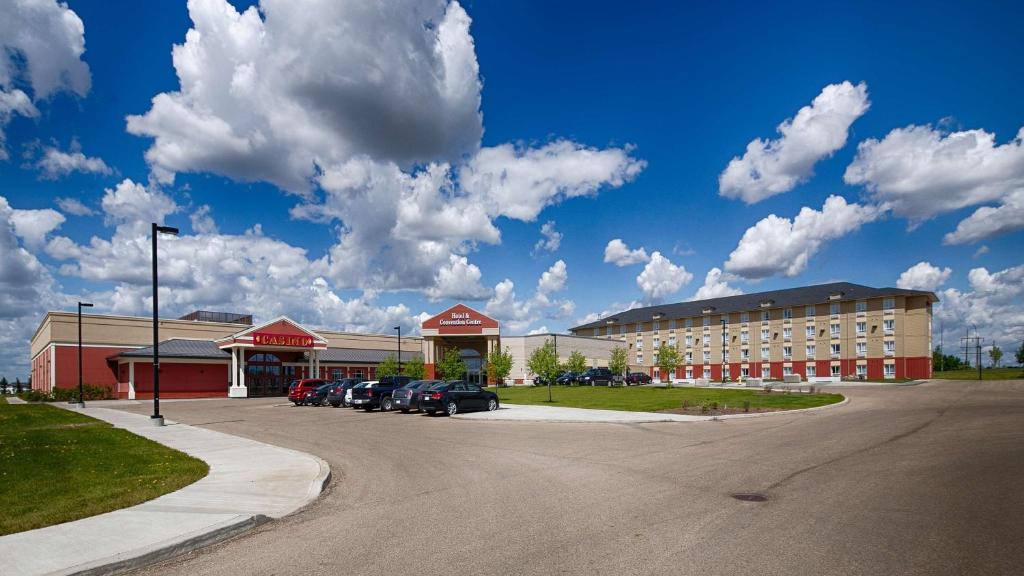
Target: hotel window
862,370
835,350
787,370
689,372
689,322
672,340
745,317
766,353
597,331
787,314
707,356
671,324
833,308
744,336
654,358
655,342
725,371
639,344
834,329
707,320
707,373
766,372
639,358
764,334
745,354
890,370
689,340
638,328
862,307
835,370
765,315
745,372
787,333
890,347
810,352
725,358
689,357
654,325
809,311
862,327
888,303
622,329
787,352
888,325
810,331
862,348
812,370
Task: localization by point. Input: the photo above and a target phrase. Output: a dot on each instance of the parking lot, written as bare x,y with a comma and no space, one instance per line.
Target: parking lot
901,480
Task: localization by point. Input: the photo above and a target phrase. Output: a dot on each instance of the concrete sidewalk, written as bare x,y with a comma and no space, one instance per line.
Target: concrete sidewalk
533,413
249,482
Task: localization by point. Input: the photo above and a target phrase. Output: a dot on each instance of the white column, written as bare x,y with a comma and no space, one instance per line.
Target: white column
309,365
131,380
241,367
234,367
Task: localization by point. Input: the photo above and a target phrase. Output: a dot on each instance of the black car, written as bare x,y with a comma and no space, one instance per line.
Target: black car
596,376
379,395
407,397
638,378
318,396
567,378
336,396
458,396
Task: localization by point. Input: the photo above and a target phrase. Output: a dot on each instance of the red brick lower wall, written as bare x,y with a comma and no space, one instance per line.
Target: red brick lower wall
182,380
96,370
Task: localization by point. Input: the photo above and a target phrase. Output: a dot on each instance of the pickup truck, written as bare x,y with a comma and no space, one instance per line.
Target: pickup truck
379,395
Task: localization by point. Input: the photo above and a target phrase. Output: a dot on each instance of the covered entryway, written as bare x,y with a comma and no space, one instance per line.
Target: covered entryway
265,359
460,328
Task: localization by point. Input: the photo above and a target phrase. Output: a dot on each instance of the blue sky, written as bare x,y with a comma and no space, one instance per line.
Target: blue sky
666,96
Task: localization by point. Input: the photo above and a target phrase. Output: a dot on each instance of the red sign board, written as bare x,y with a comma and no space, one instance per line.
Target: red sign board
289,340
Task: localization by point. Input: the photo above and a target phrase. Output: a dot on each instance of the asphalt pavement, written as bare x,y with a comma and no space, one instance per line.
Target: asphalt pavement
900,480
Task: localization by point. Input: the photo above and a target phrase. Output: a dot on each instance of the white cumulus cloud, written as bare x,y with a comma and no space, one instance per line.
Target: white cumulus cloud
661,278
57,163
74,206
716,285
551,239
770,167
923,276
618,253
987,222
782,247
994,304
518,315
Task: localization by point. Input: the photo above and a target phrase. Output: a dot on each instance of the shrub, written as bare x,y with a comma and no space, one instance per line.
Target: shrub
35,396
746,405
714,405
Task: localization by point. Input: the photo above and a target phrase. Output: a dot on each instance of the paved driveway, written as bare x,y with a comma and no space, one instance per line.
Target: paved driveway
905,480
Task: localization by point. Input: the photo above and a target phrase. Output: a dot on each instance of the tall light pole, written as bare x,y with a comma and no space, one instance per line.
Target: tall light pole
723,350
156,418
399,328
81,396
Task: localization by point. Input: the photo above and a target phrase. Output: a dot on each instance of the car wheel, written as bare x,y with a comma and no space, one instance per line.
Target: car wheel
492,405
452,408
385,405
430,412
405,410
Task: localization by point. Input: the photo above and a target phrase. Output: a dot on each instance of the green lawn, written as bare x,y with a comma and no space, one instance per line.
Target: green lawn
650,399
57,466
987,374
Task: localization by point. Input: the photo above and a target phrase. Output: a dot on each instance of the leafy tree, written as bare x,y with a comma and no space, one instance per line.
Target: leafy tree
451,365
3,384
618,362
668,359
414,368
996,354
941,361
499,365
1020,355
576,363
544,362
17,384
387,367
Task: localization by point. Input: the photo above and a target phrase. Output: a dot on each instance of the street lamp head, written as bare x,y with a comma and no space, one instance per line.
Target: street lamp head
85,304
167,230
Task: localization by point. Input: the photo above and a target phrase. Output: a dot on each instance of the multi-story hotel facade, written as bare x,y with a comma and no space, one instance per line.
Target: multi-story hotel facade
825,332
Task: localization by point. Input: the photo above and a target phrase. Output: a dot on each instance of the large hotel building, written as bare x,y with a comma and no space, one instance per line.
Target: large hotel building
824,332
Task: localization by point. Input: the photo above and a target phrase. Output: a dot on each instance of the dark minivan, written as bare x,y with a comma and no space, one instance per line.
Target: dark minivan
596,376
458,396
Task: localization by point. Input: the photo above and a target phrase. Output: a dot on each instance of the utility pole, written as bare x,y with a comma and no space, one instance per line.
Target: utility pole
975,342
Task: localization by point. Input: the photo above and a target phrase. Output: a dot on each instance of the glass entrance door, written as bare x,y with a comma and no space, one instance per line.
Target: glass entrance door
264,375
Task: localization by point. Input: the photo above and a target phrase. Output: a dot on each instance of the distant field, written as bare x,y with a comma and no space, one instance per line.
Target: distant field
987,374
651,399
57,466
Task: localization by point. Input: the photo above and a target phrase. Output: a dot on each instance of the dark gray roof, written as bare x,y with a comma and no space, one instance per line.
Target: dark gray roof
750,302
359,356
182,349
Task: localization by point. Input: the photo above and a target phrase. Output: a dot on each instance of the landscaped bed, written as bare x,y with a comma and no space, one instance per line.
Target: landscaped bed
657,399
57,465
987,374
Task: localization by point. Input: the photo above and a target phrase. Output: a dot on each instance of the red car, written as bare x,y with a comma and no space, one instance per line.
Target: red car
298,389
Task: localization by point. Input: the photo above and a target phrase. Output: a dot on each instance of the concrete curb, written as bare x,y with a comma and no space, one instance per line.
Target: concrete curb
600,416
249,483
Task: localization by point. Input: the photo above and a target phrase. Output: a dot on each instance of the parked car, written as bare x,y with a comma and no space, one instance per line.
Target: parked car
379,395
407,397
297,389
458,396
567,378
348,393
638,378
596,376
318,396
339,388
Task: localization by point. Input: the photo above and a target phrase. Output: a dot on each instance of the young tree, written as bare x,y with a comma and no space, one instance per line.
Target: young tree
1020,355
451,365
499,365
544,363
668,359
387,367
3,385
618,361
576,363
17,384
414,368
996,354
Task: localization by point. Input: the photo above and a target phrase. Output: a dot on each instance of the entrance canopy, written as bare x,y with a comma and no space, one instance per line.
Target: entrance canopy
279,336
463,328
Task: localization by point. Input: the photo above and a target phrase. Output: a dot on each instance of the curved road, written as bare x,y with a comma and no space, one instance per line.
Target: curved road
905,480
